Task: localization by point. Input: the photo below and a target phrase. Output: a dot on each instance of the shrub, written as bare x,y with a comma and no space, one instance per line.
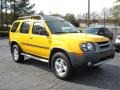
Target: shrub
4,33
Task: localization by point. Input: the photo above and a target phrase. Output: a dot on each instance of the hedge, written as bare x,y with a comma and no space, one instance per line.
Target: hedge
4,33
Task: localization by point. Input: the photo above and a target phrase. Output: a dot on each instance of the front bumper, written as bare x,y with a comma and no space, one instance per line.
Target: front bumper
92,58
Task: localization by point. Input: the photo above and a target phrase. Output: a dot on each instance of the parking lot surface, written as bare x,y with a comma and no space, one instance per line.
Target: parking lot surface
35,75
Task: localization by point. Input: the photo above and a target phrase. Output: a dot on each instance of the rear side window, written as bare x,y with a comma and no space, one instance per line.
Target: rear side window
25,27
15,26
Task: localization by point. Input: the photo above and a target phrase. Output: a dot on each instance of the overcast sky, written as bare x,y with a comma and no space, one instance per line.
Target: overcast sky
70,6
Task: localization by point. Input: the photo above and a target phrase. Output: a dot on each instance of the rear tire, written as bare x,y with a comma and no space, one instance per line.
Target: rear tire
61,66
16,53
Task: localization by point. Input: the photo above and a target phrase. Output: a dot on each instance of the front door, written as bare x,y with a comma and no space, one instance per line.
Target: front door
39,40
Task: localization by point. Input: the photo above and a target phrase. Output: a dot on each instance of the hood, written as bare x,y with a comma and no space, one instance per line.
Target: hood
79,37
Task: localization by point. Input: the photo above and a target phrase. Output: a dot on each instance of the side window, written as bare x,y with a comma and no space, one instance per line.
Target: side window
107,31
15,26
38,28
101,31
25,27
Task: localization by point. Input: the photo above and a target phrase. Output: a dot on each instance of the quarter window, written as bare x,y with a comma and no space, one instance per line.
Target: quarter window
25,27
15,26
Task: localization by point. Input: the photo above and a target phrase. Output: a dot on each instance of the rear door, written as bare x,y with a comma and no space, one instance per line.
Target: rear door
24,36
13,31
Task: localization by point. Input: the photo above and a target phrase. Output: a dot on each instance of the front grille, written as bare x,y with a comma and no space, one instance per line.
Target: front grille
103,45
105,42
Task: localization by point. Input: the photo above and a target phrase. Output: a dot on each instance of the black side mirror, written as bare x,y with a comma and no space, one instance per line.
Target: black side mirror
81,31
44,32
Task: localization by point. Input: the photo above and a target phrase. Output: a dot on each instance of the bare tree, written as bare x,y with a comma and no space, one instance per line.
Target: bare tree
85,17
94,16
105,15
79,18
116,13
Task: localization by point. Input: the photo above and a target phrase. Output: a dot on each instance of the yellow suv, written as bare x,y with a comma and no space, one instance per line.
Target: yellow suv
57,42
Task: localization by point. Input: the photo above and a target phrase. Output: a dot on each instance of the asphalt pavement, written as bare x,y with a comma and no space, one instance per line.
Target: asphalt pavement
36,75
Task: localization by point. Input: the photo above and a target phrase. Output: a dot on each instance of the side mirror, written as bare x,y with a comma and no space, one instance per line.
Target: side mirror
44,32
79,30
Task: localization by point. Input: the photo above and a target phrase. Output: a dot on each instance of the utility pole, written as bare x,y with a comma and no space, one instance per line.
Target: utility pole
88,13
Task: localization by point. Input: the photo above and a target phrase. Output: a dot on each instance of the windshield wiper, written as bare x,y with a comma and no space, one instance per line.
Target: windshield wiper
74,32
65,32
61,32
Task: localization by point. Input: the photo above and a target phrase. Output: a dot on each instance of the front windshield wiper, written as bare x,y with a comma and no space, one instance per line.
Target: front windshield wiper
65,32
74,32
61,32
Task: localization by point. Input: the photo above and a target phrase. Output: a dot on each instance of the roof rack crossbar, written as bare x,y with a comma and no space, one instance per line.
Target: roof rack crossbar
29,17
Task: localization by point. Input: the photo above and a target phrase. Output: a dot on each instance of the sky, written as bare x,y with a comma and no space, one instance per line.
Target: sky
70,6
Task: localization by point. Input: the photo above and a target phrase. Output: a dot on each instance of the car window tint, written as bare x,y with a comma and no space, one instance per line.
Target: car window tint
107,31
102,30
38,27
91,30
25,27
15,26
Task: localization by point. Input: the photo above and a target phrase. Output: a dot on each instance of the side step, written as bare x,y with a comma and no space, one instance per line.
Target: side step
34,57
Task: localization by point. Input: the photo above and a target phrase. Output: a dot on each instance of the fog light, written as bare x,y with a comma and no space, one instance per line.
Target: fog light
89,63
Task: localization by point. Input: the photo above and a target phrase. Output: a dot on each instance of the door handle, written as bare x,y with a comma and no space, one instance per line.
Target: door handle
31,38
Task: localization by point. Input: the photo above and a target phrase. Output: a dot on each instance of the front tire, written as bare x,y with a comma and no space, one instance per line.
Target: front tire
16,53
61,66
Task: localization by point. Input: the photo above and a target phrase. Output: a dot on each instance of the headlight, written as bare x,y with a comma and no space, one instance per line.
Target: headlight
88,47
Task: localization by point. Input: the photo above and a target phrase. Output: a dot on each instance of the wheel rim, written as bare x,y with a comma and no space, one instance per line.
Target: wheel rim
15,53
61,66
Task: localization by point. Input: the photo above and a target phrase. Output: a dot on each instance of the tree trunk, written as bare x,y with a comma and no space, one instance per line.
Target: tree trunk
1,14
6,15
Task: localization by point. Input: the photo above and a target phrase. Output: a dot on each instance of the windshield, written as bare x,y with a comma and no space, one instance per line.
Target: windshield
91,30
61,27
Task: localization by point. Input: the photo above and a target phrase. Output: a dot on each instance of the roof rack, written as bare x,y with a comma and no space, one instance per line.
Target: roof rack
29,17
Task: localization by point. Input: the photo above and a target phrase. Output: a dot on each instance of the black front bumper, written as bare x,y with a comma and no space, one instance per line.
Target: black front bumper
94,58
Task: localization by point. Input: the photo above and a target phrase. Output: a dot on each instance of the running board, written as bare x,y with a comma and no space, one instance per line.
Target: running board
34,57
